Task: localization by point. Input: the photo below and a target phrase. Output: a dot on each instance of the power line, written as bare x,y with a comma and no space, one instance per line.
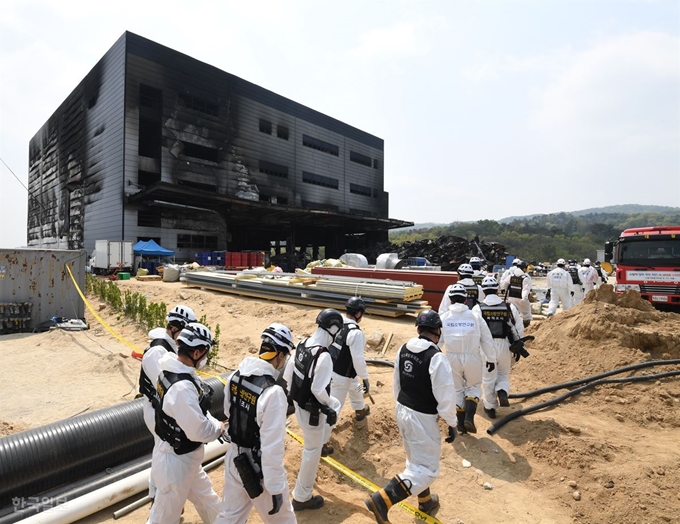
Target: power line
10,170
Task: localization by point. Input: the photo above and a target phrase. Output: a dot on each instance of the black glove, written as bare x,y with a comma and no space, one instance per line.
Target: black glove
277,502
331,416
452,435
572,293
517,357
367,386
490,366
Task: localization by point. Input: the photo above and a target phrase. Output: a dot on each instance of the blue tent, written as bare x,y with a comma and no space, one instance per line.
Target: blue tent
149,248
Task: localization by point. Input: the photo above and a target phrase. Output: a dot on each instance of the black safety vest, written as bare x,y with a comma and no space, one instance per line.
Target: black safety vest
414,376
472,295
166,426
146,387
342,356
497,318
477,279
303,374
573,271
515,287
244,394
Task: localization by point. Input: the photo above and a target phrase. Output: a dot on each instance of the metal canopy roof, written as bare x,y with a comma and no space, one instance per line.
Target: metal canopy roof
241,212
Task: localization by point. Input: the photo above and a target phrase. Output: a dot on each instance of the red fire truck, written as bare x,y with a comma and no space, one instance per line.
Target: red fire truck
647,260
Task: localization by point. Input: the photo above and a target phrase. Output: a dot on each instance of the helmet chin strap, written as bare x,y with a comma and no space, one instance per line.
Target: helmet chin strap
197,360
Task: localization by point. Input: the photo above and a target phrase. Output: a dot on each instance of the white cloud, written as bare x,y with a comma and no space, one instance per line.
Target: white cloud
387,40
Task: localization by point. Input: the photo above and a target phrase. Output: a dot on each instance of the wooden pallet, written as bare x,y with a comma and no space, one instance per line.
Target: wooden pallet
145,278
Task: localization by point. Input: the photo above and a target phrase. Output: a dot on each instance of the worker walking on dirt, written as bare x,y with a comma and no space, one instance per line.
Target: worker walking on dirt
423,388
573,268
479,270
254,471
474,291
308,375
184,424
589,276
517,285
163,342
465,336
505,324
349,362
601,273
561,288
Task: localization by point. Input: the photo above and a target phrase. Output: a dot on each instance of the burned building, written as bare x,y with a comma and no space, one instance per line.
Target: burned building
155,144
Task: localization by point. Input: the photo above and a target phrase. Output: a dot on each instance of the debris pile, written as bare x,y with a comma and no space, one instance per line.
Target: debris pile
446,251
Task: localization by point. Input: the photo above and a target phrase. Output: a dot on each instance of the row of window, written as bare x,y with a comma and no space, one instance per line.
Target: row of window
320,180
266,127
201,242
197,104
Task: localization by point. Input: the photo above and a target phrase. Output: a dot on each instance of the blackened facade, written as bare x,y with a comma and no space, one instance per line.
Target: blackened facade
155,144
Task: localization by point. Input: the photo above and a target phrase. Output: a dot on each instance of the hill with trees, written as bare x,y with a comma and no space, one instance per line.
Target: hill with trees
545,238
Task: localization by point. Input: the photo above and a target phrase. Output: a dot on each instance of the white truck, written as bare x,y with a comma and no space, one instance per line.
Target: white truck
110,255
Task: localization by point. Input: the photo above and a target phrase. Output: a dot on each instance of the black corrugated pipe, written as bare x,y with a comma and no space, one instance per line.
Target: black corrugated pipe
379,362
580,381
63,452
568,394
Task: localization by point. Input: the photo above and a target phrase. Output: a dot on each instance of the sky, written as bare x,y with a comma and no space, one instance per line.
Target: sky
488,109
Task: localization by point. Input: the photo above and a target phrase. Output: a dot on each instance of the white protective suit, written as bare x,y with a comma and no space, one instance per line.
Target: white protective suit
499,378
446,300
179,478
578,287
271,419
522,304
314,436
589,276
420,431
152,368
340,386
559,282
465,336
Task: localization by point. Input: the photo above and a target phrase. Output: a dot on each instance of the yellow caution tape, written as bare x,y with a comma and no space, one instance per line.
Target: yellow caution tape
419,515
100,319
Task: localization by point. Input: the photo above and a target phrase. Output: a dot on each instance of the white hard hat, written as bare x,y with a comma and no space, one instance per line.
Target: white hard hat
516,262
280,336
489,283
560,262
457,290
465,270
182,314
586,261
196,335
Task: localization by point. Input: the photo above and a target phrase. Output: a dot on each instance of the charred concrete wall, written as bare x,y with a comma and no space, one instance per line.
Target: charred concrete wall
76,162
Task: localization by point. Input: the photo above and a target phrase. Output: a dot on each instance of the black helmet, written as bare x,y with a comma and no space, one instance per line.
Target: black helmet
329,318
429,318
354,305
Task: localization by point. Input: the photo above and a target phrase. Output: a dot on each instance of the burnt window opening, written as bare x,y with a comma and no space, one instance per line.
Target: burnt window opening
198,242
320,180
273,199
282,132
202,152
265,126
198,185
197,104
376,164
320,145
358,189
147,178
360,159
150,138
148,218
146,239
319,206
362,212
270,168
150,97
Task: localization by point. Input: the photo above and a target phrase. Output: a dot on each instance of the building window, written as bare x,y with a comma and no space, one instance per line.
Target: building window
273,169
148,218
273,199
198,185
265,126
202,152
319,206
197,104
362,212
319,180
358,189
376,164
150,97
282,132
199,242
320,145
360,159
146,178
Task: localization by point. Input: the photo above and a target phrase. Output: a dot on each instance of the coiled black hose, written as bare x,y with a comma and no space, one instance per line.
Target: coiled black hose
580,381
494,427
63,452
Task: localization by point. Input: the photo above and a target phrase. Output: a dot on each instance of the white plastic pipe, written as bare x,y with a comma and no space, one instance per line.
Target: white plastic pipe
102,498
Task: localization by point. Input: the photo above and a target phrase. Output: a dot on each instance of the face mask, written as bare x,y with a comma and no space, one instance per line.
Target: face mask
203,363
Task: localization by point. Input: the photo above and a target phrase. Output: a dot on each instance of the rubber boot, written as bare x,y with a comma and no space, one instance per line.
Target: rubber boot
380,502
428,503
470,410
360,414
503,398
460,415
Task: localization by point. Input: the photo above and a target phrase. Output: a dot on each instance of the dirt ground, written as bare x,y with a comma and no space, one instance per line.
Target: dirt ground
608,455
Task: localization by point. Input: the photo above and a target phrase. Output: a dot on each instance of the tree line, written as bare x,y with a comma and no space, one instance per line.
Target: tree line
545,238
